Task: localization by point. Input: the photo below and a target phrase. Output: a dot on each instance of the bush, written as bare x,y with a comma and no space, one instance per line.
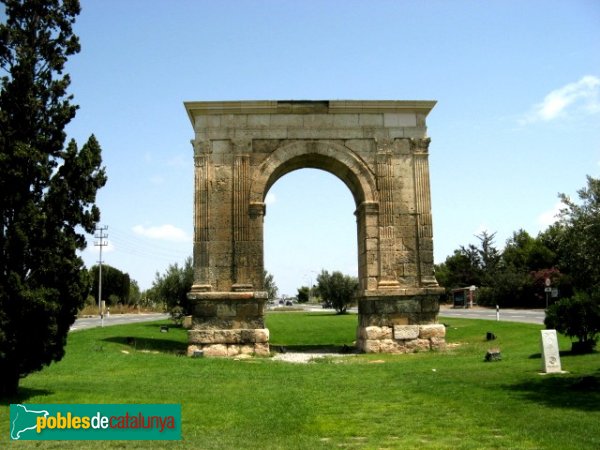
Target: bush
303,294
337,289
577,317
177,314
485,296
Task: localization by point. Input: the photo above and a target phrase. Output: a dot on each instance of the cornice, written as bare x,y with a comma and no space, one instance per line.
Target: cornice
308,107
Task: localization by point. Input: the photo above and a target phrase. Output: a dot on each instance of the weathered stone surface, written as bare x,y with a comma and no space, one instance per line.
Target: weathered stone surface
379,149
261,349
370,346
215,350
416,345
247,336
262,335
399,319
201,336
432,330
247,349
227,336
437,343
233,350
406,331
391,346
376,332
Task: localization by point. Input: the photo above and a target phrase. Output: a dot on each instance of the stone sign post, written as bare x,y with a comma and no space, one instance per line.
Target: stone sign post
550,353
379,149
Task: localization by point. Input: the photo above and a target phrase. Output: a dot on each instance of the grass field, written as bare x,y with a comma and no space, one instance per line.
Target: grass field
444,400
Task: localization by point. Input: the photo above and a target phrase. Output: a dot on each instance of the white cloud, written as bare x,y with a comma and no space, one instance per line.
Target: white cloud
549,217
270,198
580,97
165,232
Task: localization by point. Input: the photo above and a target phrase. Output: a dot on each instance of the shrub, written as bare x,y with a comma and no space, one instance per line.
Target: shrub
177,314
577,317
337,289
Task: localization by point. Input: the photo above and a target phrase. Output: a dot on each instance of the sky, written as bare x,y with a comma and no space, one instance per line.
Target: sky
517,119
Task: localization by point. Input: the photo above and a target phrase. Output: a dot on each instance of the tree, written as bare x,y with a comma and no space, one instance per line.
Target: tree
135,295
489,257
303,294
577,317
173,286
337,289
525,253
115,284
579,243
459,270
577,239
47,191
270,286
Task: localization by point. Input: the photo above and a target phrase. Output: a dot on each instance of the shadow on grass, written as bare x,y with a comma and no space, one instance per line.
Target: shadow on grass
563,391
562,353
151,344
328,314
155,323
23,395
313,313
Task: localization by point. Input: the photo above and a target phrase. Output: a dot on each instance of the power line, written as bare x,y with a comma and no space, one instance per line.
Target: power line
129,244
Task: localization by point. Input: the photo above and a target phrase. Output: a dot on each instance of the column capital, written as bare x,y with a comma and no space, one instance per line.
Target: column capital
384,145
201,147
420,145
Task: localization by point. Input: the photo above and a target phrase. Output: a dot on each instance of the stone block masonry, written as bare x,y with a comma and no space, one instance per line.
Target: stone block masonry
379,149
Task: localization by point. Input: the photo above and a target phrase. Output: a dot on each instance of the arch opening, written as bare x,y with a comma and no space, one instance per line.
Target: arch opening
320,162
309,227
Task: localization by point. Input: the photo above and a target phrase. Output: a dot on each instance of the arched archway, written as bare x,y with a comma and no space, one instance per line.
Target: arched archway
331,157
379,149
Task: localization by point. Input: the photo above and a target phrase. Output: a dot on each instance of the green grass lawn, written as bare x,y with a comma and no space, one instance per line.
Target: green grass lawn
435,400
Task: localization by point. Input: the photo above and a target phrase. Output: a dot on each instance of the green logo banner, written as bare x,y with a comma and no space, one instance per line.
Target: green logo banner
95,422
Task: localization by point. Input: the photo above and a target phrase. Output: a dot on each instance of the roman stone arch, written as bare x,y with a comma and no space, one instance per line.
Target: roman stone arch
379,149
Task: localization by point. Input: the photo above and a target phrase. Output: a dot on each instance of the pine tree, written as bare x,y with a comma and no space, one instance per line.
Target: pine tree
47,190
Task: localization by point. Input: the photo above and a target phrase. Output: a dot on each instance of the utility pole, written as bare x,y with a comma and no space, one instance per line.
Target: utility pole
101,236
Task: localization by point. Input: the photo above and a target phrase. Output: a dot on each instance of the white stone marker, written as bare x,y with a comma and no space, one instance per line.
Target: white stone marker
550,354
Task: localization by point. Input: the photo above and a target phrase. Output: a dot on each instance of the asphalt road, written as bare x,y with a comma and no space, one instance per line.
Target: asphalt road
506,315
116,319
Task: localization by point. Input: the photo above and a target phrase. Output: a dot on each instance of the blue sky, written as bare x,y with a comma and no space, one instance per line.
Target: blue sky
517,85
